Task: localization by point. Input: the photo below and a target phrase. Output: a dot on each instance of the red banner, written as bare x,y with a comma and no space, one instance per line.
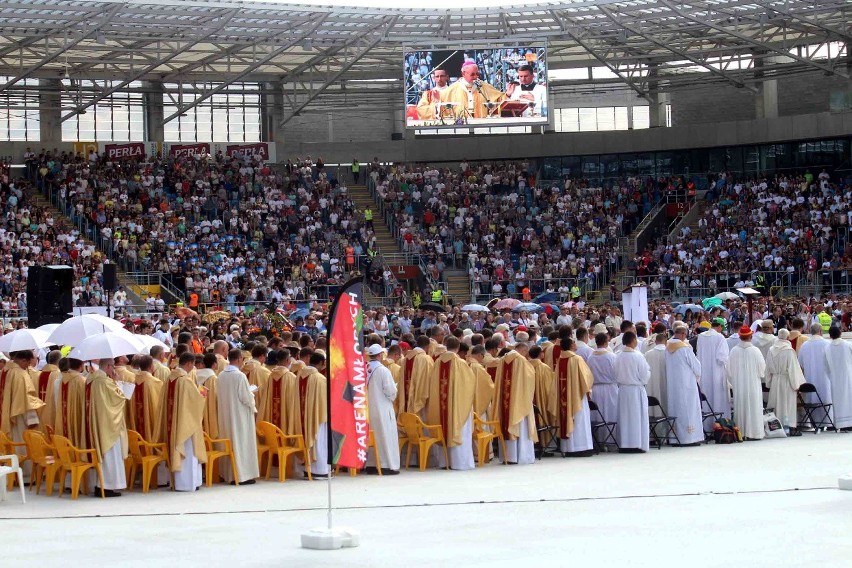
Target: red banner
259,150
124,151
347,380
186,150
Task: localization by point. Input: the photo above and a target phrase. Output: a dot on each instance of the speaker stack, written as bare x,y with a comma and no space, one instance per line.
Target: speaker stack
49,294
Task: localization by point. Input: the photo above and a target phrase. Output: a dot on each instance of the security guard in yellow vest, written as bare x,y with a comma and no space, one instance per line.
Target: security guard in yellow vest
824,320
575,292
368,218
437,295
416,300
356,171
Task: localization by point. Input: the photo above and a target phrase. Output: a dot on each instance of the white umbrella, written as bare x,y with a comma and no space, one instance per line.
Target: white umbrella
23,340
148,342
74,330
474,308
727,296
106,346
48,328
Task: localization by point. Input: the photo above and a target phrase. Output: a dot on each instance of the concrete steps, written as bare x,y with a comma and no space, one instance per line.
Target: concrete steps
134,293
384,238
458,286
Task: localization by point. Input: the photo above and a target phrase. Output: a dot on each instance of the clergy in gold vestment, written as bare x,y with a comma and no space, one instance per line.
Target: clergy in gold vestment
484,393
19,404
161,368
183,410
44,382
69,394
416,367
259,373
451,387
206,381
106,431
513,409
573,384
279,389
308,413
220,349
391,361
147,397
469,94
545,386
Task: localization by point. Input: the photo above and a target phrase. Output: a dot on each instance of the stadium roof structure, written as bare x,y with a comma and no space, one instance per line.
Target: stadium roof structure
313,51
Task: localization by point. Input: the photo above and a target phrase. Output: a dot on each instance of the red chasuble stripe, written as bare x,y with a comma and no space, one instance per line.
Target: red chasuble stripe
562,378
505,397
276,402
303,400
88,420
2,391
42,384
406,386
63,394
444,396
170,413
139,403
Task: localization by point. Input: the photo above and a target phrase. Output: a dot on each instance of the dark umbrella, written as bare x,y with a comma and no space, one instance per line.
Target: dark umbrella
433,306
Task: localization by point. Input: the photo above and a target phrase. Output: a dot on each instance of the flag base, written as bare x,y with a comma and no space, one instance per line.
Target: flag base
845,482
330,539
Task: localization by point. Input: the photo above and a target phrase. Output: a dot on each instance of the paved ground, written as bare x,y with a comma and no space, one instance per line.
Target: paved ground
771,503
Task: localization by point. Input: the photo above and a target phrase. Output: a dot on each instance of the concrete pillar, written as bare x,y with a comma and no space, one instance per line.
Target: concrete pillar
766,99
153,110
50,111
656,100
271,111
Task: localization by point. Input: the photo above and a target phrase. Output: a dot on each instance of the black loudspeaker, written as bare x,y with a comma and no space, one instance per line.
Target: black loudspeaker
110,278
397,136
49,294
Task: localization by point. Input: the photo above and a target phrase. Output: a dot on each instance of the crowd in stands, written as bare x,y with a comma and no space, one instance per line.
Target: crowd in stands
763,232
230,230
509,233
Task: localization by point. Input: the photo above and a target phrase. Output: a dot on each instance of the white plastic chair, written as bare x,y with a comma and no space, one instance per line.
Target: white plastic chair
7,470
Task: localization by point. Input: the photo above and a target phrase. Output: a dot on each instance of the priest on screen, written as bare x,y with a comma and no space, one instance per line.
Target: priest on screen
746,369
574,383
632,373
180,427
513,408
106,431
381,394
683,372
237,410
308,413
472,97
451,388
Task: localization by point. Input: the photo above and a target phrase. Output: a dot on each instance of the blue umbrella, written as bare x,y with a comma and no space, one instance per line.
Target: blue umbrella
546,298
300,313
684,308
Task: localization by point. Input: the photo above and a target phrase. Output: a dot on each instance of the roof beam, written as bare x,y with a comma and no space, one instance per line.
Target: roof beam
221,23
734,81
767,46
317,92
247,71
65,47
803,18
562,19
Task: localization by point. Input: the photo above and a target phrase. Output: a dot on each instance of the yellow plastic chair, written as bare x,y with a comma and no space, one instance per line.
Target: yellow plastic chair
146,455
424,436
45,466
8,447
213,455
482,438
282,446
263,450
71,461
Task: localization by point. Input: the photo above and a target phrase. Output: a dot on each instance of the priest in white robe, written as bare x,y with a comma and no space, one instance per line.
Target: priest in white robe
236,415
605,388
764,338
812,359
683,371
632,373
713,354
746,370
381,394
838,359
784,377
656,386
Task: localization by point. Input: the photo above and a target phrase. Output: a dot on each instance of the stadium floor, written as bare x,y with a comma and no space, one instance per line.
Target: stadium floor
769,503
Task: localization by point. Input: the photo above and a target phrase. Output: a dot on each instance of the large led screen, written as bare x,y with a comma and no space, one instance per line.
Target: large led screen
497,86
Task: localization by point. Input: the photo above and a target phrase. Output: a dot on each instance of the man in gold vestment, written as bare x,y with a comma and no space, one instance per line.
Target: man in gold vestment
473,98
513,408
180,428
106,431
